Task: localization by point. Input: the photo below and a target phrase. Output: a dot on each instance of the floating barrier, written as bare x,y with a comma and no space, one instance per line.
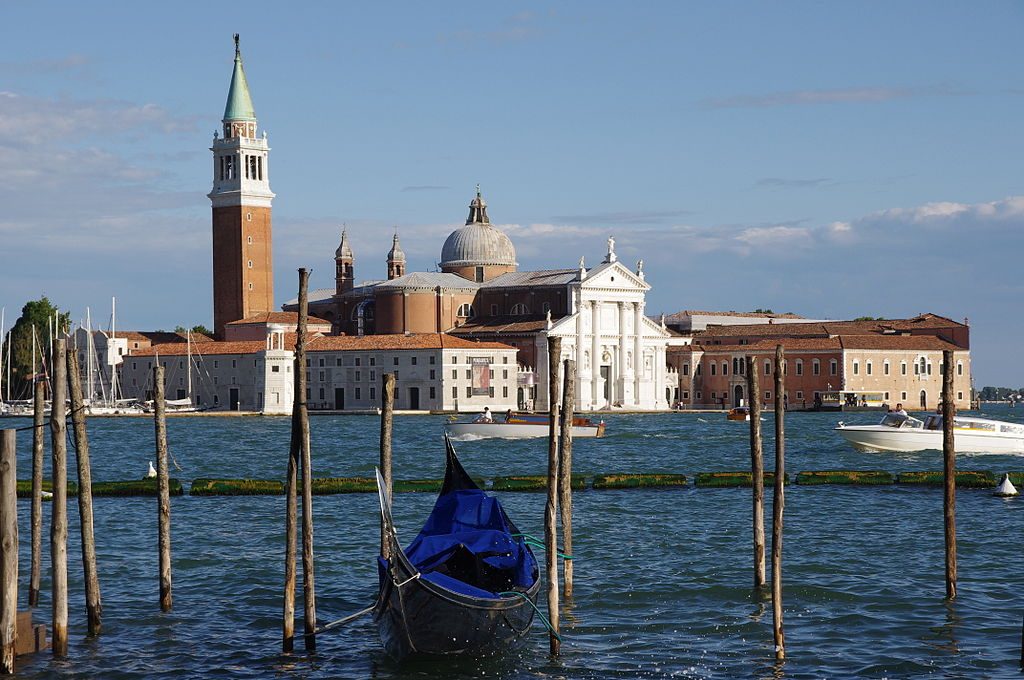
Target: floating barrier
859,477
1017,478
139,487
236,487
639,481
714,480
966,479
25,488
533,483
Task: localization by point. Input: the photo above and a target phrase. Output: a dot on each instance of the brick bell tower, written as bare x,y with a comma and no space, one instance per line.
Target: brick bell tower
243,273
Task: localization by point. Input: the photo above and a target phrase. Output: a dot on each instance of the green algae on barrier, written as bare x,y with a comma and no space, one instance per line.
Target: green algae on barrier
865,477
965,479
732,479
25,488
1016,478
638,481
135,487
205,486
532,483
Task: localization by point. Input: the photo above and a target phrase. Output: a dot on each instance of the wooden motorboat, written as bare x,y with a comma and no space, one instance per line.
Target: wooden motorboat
521,426
466,584
740,413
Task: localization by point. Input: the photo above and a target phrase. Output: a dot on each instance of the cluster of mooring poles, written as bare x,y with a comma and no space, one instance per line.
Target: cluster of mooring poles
778,503
18,635
562,398
299,458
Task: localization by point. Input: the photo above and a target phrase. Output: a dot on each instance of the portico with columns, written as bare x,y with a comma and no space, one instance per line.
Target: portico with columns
619,352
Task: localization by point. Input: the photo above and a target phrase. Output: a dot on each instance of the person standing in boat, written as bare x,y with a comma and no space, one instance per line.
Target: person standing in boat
485,417
508,416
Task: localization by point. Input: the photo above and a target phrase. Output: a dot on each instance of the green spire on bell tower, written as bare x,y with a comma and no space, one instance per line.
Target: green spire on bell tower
239,106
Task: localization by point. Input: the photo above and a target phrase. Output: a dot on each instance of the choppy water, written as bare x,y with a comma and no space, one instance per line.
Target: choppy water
662,576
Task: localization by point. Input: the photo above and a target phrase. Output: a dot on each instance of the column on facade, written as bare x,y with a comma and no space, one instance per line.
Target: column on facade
542,375
595,354
623,351
580,371
659,375
638,350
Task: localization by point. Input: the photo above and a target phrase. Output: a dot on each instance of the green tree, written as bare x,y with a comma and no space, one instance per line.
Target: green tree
196,330
38,314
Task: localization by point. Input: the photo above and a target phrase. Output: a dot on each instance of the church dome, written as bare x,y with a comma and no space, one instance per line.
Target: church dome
478,243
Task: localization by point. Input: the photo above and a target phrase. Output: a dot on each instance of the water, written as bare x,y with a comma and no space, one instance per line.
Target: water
662,578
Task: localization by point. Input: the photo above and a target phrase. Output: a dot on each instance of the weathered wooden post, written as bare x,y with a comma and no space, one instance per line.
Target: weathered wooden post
779,501
162,488
387,416
756,470
59,510
291,483
949,470
301,419
565,472
8,549
93,603
550,508
38,422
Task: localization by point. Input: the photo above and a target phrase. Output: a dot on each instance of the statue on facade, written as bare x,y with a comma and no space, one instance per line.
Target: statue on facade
611,249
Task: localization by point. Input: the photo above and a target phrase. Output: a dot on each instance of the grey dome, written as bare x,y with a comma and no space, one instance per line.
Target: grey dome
476,245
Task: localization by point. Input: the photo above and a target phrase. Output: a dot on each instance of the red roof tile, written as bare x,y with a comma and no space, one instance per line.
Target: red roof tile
278,317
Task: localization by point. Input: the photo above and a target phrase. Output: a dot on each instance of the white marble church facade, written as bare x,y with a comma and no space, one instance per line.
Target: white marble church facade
620,353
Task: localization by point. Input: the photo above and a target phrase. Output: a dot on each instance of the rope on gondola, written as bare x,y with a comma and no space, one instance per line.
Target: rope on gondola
537,543
543,618
343,621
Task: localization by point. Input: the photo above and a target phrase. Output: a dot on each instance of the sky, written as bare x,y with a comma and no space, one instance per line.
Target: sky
836,159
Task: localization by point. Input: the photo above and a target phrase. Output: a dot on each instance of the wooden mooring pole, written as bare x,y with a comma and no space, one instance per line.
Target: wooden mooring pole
291,488
565,472
779,501
949,470
387,417
756,470
162,488
38,439
8,549
59,509
301,419
93,603
550,508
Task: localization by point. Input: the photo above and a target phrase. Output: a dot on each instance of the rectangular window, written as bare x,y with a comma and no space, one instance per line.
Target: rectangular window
396,361
455,374
373,361
504,373
491,373
433,393
321,361
686,369
491,392
433,374
339,362
359,361
469,374
432,358
867,367
455,392
358,393
359,376
413,361
959,369
800,394
885,368
469,392
903,368
396,376
504,391
455,360
816,368
713,369
275,369
321,376
134,366
856,368
373,393
215,363
904,396
833,367
233,364
959,395
886,397
321,394
767,396
373,376
767,368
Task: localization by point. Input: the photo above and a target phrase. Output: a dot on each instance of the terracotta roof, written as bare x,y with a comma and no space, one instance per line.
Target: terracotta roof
694,312
215,347
837,342
503,324
154,337
904,342
277,317
790,345
826,328
340,343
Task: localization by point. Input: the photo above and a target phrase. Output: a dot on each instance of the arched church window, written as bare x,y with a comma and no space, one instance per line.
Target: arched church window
520,309
465,311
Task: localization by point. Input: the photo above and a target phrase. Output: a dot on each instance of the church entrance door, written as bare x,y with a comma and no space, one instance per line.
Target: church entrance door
414,398
339,398
606,378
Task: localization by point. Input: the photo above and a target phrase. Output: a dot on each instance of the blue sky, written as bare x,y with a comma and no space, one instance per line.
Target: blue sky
830,159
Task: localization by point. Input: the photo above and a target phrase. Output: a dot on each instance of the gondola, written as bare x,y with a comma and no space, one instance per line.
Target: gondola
468,582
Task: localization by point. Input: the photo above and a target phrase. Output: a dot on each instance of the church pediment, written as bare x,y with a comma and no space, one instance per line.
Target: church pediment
616,276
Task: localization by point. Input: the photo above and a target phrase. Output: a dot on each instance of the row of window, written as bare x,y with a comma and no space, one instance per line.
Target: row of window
252,165
921,367
799,395
466,310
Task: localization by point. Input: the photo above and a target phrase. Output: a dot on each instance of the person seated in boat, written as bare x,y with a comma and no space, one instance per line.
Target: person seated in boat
485,417
900,411
508,416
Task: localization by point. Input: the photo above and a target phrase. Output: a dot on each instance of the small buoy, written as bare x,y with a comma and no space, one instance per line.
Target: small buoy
47,496
1005,488
152,471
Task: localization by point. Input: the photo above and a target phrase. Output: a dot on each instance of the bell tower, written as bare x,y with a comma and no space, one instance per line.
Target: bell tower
344,266
396,259
243,273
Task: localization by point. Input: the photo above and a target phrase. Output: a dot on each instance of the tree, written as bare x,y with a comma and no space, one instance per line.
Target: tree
38,314
198,329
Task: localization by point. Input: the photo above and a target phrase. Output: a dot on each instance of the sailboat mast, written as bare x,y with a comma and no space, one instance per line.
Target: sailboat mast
33,357
89,351
188,341
111,356
3,312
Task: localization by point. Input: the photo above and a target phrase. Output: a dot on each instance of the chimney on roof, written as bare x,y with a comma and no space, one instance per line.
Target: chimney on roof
770,321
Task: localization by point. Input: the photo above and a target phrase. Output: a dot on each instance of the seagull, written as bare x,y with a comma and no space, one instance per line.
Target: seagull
152,471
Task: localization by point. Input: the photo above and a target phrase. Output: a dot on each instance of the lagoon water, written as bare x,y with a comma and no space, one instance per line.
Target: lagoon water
663,577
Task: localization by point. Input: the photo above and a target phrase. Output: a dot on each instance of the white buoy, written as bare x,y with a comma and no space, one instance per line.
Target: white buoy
1005,488
152,471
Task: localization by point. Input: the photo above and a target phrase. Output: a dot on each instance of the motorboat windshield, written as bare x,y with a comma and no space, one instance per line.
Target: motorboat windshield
902,422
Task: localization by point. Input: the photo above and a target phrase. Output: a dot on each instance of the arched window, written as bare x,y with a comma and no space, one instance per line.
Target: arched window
816,367
725,368
519,309
465,311
767,368
799,366
922,366
959,368
545,307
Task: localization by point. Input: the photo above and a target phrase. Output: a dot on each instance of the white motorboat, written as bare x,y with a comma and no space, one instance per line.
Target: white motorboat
520,426
899,432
